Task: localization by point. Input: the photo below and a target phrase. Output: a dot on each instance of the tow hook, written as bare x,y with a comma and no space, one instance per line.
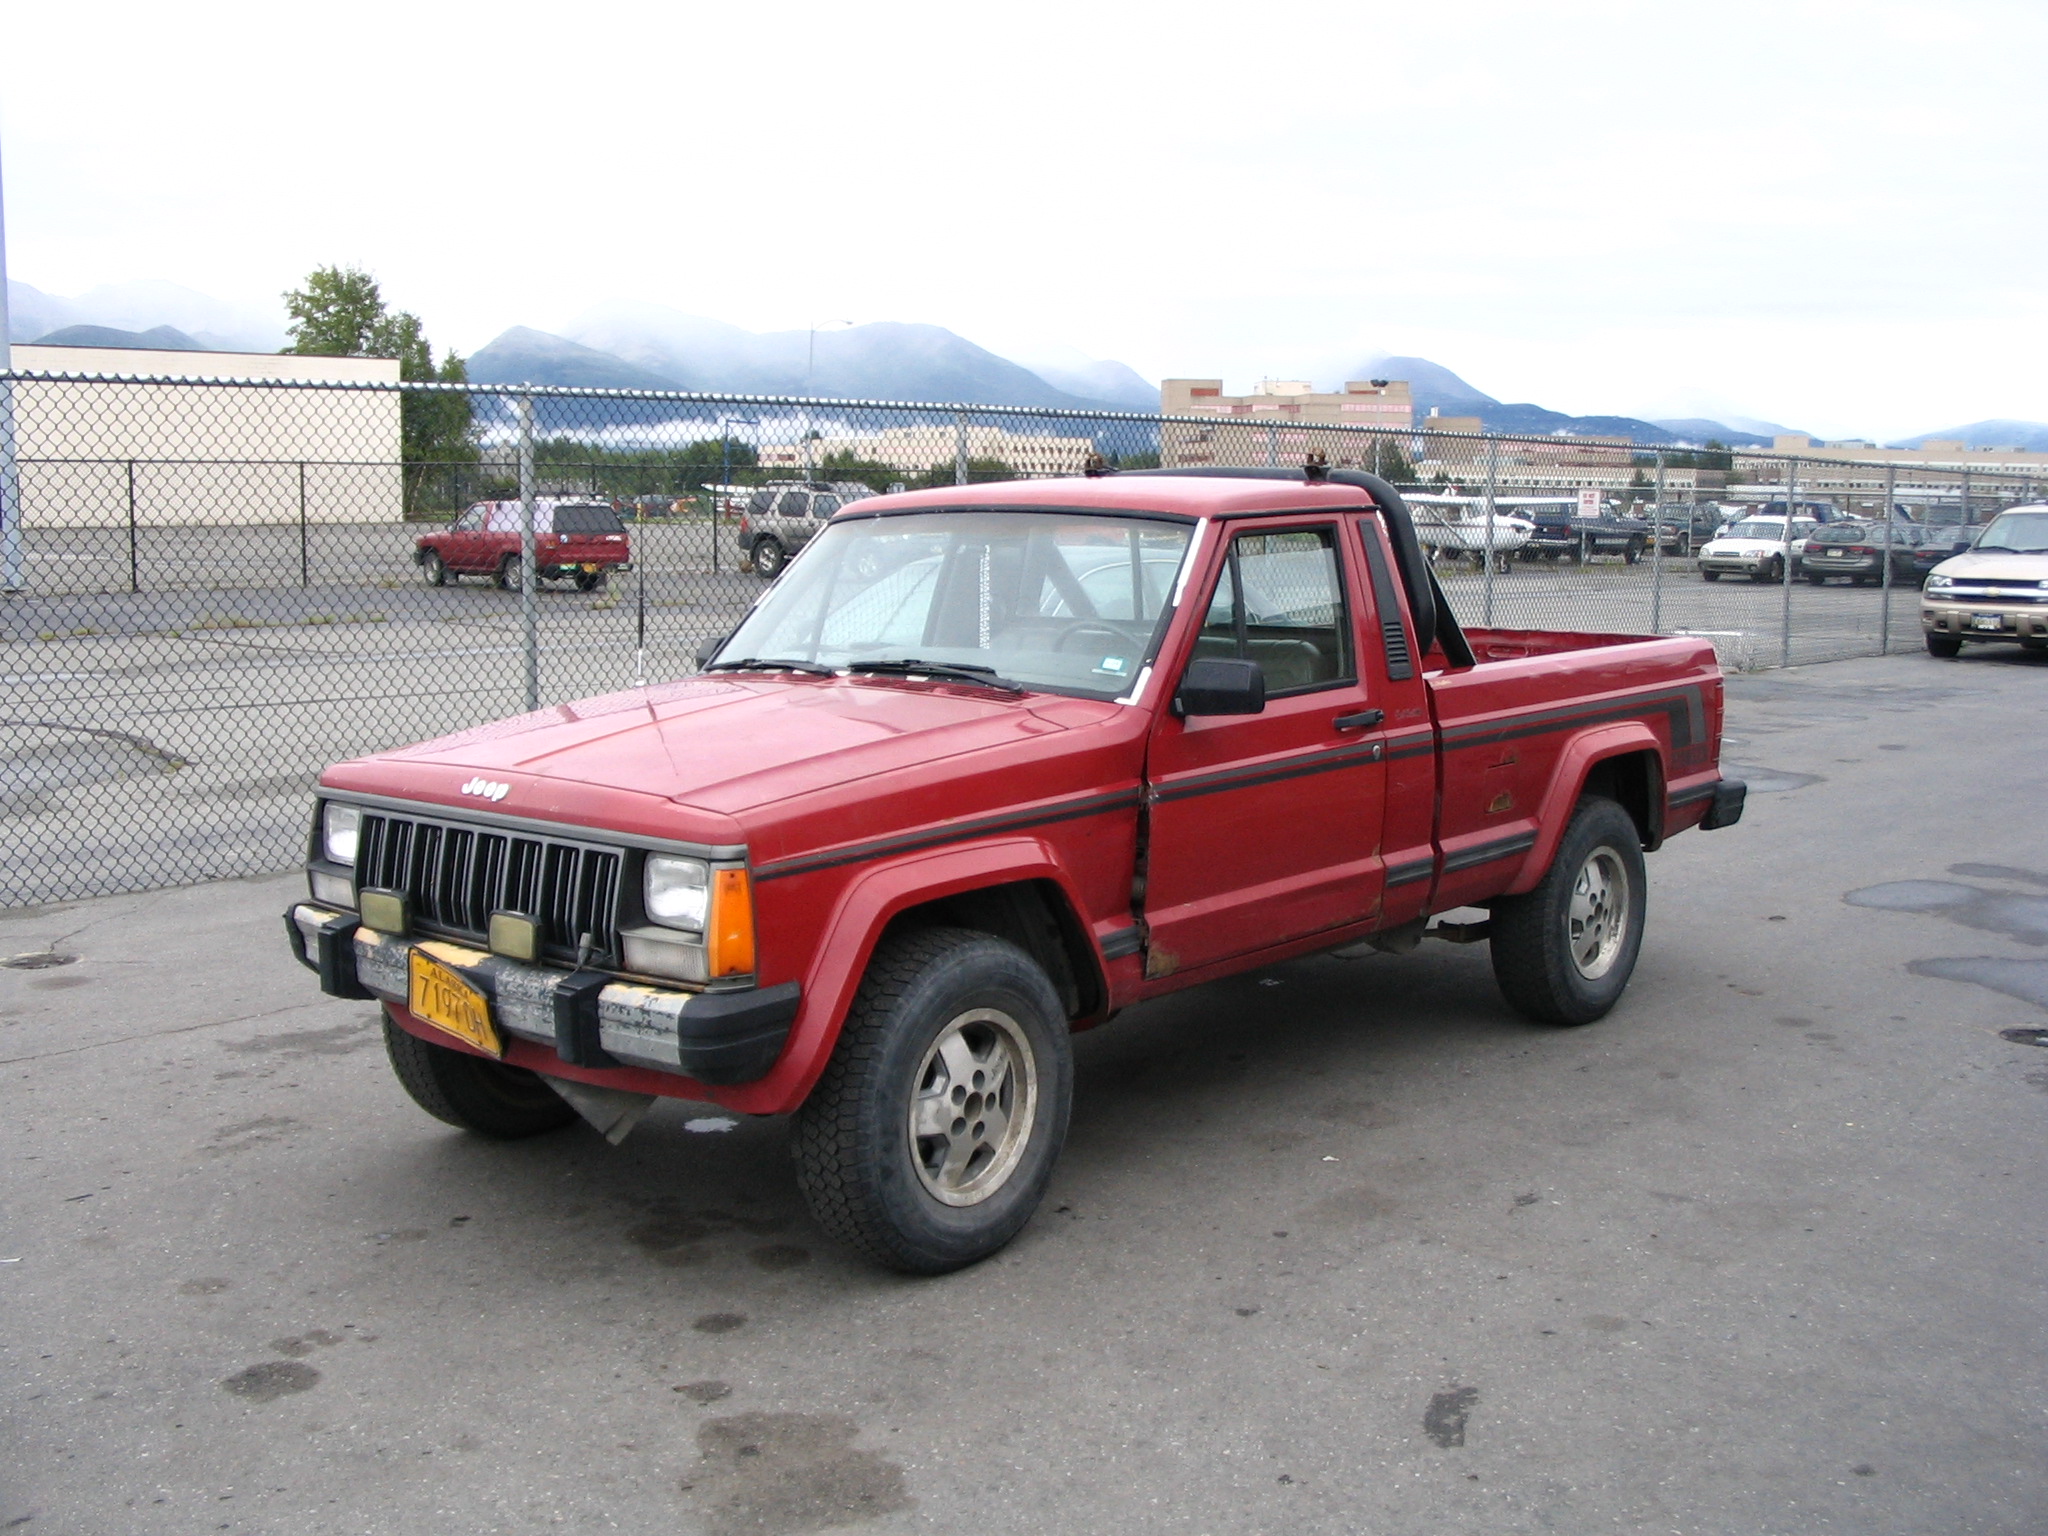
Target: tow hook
1461,933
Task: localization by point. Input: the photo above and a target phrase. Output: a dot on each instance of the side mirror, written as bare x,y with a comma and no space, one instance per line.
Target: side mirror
1218,685
706,649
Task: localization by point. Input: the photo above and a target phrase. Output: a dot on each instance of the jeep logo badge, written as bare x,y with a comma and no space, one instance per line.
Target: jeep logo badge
487,790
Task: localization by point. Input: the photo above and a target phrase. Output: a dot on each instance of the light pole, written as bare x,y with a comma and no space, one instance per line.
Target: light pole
10,471
811,368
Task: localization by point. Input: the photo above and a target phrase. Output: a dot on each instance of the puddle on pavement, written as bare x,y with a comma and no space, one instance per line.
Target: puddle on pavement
2017,916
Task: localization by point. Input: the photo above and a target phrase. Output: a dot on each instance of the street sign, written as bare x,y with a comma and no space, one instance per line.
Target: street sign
1589,503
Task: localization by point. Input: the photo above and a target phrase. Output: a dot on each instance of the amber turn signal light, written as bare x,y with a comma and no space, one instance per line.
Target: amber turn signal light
729,938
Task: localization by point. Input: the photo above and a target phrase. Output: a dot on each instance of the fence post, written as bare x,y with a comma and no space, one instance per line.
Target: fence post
959,447
134,561
1785,568
1657,550
10,469
303,564
1966,499
1884,610
529,613
1489,554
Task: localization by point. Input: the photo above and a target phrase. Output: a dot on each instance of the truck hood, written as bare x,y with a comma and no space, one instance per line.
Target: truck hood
729,745
2020,570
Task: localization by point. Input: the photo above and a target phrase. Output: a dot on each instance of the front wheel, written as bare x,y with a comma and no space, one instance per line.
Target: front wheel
473,1092
1710,575
512,576
434,569
1563,953
768,558
1944,645
931,1137
1634,552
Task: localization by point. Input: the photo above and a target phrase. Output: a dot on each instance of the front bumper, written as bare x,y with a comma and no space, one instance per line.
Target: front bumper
589,1018
1983,618
1743,565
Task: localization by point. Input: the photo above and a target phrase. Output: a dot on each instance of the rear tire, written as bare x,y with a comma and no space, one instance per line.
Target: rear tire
897,1151
768,558
511,575
1814,578
1563,953
1945,646
472,1092
589,581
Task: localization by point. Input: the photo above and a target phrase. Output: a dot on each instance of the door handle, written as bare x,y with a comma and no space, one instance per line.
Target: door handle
1363,719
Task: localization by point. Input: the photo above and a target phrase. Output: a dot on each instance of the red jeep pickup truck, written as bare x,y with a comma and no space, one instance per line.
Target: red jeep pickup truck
983,767
573,538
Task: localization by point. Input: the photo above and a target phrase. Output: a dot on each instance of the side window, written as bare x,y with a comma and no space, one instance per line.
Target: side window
1280,603
470,521
793,504
823,507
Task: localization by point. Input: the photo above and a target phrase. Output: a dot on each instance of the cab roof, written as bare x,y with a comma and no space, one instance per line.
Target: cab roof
1197,496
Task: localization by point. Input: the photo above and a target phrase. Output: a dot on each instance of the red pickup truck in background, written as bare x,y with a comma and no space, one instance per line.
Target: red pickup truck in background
573,538
984,766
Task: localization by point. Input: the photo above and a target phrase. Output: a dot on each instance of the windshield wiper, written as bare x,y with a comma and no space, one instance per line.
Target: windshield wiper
952,671
771,664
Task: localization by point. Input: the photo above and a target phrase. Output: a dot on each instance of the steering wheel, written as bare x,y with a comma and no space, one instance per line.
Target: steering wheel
1072,639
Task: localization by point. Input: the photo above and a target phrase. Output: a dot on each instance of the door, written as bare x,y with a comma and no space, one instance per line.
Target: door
1266,827
460,550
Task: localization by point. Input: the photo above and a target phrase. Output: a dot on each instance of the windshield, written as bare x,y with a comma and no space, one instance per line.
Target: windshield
2023,533
1056,601
1756,528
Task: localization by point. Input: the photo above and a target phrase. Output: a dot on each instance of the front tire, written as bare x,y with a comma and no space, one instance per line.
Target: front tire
931,1137
1710,575
768,558
1945,646
512,576
1563,953
473,1092
434,569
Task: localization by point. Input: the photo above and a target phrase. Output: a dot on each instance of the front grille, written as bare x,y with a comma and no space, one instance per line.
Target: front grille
1963,589
456,876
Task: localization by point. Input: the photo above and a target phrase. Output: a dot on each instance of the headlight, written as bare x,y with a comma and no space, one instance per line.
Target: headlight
677,891
340,827
1942,583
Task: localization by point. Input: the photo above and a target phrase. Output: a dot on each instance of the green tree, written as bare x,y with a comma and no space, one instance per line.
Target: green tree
341,313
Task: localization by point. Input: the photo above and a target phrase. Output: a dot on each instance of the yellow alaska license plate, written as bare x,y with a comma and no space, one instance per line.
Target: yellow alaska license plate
439,995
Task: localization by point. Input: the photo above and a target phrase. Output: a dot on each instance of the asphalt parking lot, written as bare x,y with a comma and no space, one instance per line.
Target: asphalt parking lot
1342,1246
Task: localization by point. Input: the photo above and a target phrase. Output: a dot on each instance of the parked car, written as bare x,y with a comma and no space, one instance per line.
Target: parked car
1995,590
1757,547
1932,544
1858,551
911,831
782,517
573,538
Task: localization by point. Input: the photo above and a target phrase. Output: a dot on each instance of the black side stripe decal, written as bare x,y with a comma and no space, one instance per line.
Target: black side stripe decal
1487,853
1120,943
959,832
1408,874
1272,773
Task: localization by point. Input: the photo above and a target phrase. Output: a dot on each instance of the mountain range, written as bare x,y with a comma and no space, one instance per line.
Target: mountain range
653,347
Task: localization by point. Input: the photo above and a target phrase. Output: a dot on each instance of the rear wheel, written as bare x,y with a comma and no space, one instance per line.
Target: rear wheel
433,569
589,581
477,1094
769,557
511,576
931,1137
1633,552
1563,953
1943,645
1814,578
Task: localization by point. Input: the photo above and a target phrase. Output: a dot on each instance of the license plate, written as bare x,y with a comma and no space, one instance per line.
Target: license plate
439,995
1834,554
1986,621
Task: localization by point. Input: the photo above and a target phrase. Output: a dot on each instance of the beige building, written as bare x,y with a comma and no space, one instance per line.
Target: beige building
918,449
1277,422
200,452
1933,472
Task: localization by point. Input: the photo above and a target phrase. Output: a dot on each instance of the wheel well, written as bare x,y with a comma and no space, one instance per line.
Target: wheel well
1632,780
1035,916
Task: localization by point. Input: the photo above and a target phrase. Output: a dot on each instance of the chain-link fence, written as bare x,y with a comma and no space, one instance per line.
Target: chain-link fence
215,588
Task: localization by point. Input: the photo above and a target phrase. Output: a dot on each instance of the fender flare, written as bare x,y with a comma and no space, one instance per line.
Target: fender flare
862,912
1575,764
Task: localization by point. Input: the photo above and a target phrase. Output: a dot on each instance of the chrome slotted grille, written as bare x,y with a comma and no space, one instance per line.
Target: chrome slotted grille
456,876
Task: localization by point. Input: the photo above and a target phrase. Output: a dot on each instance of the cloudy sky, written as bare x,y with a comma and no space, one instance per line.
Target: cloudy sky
1828,214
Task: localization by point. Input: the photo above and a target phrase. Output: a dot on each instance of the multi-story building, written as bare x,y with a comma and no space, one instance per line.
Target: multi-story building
1276,423
921,448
